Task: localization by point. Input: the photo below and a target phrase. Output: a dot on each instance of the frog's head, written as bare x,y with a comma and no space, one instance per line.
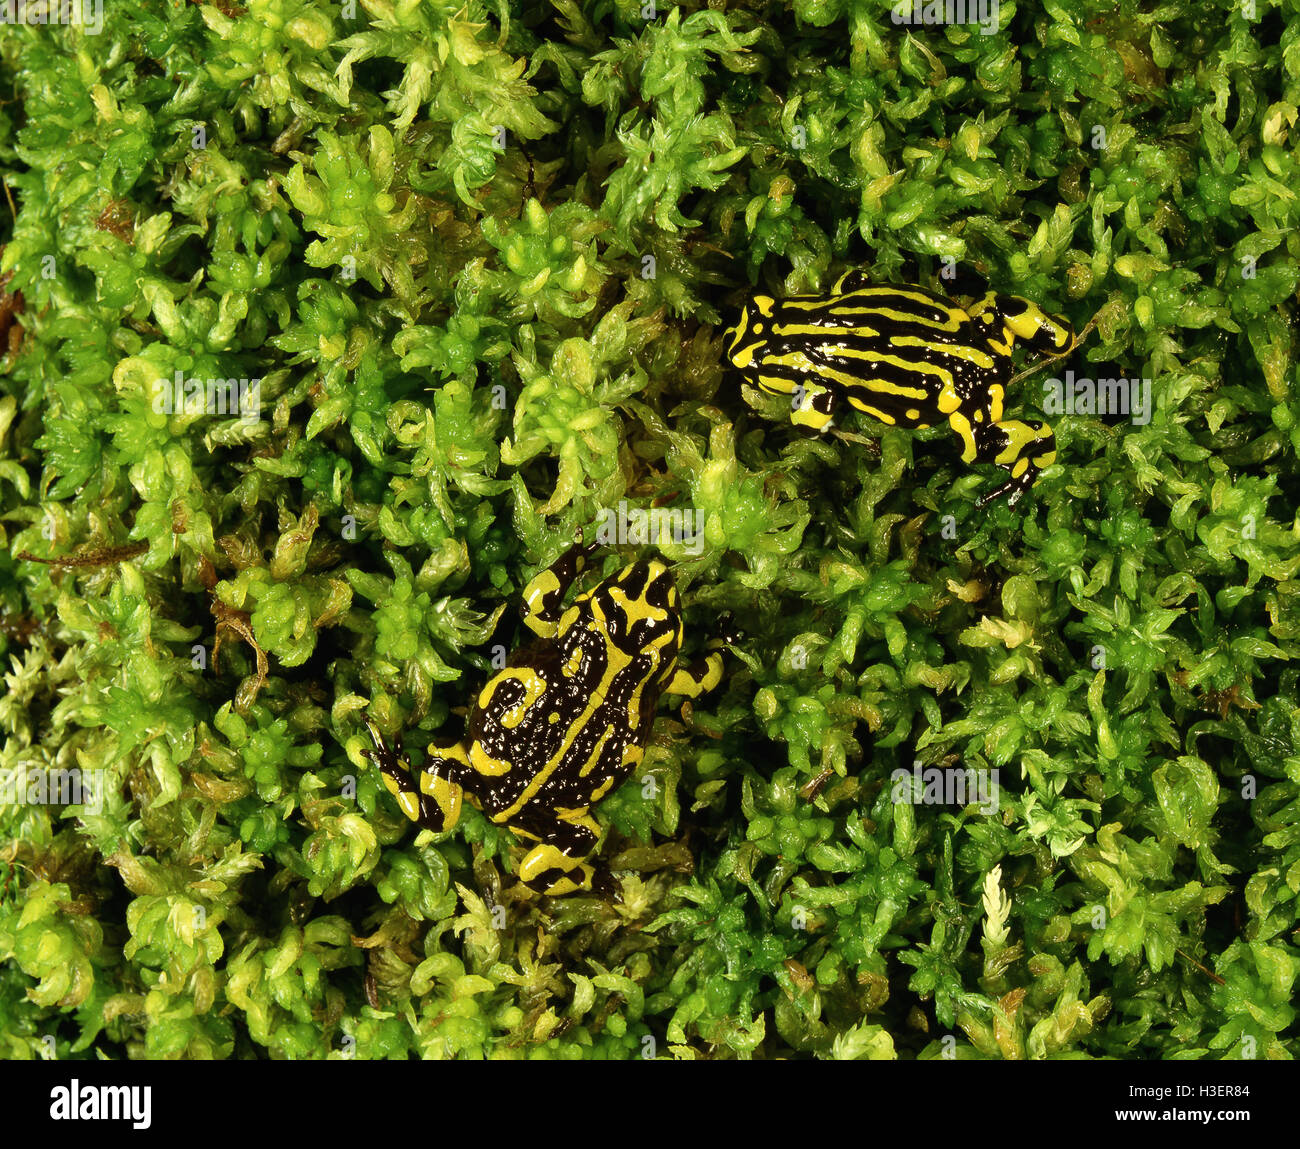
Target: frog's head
751,332
641,609
1025,321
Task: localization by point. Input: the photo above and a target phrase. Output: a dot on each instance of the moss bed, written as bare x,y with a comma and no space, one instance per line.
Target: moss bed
481,258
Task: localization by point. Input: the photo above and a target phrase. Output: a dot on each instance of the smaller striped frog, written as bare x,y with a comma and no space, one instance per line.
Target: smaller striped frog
907,357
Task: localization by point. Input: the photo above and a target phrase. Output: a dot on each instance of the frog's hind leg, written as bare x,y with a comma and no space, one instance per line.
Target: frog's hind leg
430,797
544,595
557,864
1022,449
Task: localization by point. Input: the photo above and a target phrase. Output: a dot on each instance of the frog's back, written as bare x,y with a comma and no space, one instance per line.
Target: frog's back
890,351
512,733
563,722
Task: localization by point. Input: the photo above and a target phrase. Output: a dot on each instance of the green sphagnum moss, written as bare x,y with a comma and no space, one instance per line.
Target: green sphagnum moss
480,257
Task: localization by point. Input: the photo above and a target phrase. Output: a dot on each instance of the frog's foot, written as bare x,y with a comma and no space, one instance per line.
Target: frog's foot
728,632
855,279
1020,449
389,759
604,886
1013,489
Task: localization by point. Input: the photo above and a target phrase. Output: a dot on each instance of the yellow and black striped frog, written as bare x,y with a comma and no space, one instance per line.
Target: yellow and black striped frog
907,357
565,721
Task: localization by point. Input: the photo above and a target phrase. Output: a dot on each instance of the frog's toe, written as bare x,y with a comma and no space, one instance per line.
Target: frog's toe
728,630
384,756
1013,489
604,885
1017,489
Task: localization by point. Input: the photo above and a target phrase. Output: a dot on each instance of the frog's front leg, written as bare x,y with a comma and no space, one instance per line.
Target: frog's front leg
557,864
1023,321
1022,449
698,678
430,797
705,673
812,405
544,594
